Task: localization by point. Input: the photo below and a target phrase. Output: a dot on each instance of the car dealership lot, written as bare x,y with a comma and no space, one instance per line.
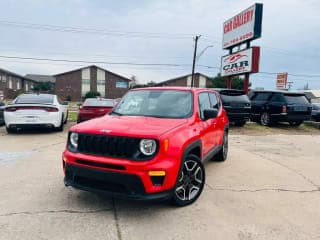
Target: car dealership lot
267,189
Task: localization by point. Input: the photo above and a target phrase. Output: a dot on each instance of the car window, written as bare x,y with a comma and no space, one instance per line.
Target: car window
277,97
34,99
204,103
261,96
294,99
215,103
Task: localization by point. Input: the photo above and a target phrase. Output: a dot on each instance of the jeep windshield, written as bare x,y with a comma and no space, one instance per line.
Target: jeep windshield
156,103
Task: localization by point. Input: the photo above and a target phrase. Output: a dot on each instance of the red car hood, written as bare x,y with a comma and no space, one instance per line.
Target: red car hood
134,126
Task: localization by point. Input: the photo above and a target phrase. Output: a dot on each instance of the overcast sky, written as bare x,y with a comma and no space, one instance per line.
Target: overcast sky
157,32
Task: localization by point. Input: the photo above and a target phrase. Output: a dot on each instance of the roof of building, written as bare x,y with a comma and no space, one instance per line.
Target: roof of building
15,74
125,78
177,78
41,78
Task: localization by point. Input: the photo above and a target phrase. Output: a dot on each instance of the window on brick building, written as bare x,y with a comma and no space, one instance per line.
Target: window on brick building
85,81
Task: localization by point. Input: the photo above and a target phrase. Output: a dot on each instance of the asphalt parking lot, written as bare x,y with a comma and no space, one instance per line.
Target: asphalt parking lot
269,188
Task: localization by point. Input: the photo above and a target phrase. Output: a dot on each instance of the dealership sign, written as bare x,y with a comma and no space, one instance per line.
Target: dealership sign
244,27
245,61
282,80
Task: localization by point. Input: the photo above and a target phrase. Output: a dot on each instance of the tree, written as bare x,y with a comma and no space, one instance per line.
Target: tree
133,81
43,86
221,82
92,94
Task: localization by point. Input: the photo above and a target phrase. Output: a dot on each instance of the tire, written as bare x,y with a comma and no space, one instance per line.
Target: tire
61,126
240,123
295,123
190,181
265,119
10,130
65,121
222,155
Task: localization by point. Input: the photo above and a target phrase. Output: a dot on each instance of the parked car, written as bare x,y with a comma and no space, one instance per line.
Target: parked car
315,115
35,110
2,106
151,146
269,107
94,107
237,105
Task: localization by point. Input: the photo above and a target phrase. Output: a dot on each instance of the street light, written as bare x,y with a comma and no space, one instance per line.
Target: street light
196,57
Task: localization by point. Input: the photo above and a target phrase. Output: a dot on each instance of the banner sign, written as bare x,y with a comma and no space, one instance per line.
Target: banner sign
245,61
282,80
244,27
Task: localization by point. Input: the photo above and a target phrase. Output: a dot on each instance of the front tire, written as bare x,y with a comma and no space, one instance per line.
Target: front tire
190,181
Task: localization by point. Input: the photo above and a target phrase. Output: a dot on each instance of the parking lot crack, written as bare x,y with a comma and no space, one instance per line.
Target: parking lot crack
263,190
55,211
290,169
116,218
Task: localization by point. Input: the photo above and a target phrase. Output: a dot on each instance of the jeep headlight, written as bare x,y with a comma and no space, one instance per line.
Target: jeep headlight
148,146
74,140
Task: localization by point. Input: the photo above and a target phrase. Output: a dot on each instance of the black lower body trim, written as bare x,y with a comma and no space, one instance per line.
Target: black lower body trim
119,185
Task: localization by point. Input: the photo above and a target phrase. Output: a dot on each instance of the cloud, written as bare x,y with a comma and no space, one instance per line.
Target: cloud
289,40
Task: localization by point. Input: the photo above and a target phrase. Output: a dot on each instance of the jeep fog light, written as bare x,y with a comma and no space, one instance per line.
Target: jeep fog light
74,139
148,146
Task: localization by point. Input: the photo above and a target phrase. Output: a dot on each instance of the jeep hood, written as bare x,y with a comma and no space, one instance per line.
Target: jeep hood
131,126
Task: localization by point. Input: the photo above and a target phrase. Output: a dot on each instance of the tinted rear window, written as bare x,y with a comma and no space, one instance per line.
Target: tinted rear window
98,103
34,98
294,99
261,96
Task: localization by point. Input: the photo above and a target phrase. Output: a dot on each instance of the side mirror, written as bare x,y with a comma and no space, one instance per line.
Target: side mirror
210,113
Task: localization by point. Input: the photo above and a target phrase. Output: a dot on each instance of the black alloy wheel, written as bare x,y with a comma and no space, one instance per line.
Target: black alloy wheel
223,153
190,181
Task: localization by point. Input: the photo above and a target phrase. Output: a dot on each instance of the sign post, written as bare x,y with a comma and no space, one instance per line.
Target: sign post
242,29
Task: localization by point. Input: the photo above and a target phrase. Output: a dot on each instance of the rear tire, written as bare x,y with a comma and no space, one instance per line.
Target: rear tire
10,130
295,123
190,181
223,153
60,128
265,119
65,121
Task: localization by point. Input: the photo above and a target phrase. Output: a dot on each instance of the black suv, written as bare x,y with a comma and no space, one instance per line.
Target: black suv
237,105
269,107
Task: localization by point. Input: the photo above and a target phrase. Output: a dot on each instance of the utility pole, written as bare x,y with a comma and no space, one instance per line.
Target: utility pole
194,58
289,85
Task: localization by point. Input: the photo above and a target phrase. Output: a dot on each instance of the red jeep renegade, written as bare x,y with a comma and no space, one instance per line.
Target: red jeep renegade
152,145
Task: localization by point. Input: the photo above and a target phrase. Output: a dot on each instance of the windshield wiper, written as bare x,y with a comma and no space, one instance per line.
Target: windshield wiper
155,116
116,113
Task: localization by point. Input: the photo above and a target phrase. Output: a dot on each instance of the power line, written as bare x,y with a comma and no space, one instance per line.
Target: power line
70,29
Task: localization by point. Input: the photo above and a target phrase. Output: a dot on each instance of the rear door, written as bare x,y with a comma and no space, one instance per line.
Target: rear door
276,104
259,102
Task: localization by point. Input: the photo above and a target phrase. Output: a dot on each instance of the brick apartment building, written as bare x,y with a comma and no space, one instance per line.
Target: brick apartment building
200,80
76,83
12,84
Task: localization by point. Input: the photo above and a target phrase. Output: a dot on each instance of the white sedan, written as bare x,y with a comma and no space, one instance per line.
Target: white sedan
35,110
